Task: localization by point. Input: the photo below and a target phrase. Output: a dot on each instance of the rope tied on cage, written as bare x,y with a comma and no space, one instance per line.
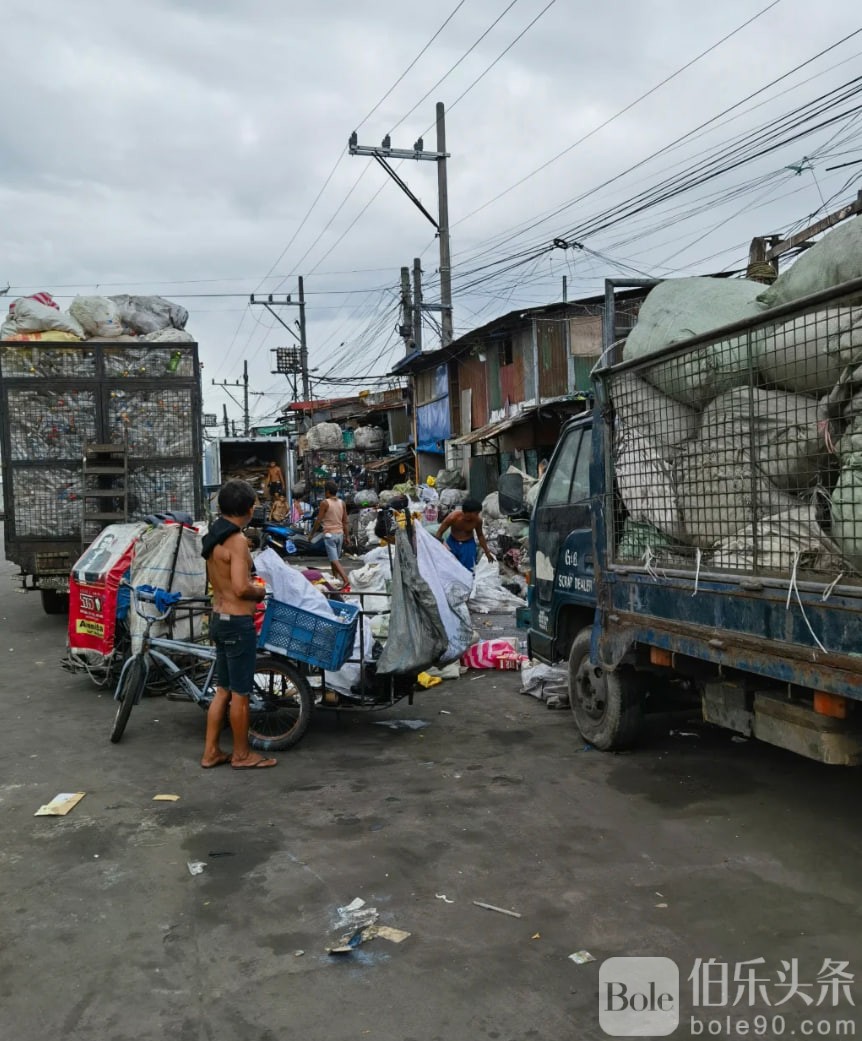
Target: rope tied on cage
794,588
828,591
698,558
648,559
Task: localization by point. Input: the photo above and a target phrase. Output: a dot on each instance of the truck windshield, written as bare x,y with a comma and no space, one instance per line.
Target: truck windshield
569,479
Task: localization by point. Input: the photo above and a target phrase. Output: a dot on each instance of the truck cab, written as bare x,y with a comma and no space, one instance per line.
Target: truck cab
562,591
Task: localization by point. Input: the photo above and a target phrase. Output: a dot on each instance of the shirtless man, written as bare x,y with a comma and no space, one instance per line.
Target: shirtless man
332,517
232,630
274,480
463,524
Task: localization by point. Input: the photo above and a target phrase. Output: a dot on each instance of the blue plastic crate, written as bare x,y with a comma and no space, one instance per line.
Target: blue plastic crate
313,638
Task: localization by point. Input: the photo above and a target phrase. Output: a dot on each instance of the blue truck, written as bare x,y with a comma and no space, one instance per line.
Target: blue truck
712,545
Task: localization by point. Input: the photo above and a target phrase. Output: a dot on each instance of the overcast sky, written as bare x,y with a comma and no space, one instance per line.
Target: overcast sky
176,148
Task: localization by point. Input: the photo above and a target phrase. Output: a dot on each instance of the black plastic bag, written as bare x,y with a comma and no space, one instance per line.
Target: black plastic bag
417,637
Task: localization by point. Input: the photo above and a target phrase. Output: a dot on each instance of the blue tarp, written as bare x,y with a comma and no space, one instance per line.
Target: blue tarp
433,426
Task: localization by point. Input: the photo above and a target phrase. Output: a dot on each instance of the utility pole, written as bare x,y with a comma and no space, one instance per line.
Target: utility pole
405,330
226,424
417,303
443,220
269,302
245,395
441,225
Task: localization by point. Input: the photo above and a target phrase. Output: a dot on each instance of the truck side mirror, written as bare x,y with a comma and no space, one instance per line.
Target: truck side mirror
510,489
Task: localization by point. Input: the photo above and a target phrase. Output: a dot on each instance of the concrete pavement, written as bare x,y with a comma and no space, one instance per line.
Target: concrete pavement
692,847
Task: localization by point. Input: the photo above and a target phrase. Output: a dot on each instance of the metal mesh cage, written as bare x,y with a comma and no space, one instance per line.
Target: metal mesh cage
155,361
744,452
50,424
47,501
47,362
153,422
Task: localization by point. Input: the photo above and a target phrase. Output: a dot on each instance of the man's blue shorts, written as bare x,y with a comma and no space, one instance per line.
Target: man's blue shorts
465,552
235,640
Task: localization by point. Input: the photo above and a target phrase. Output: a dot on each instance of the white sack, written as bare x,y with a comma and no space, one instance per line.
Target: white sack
661,419
809,353
451,584
157,563
149,314
779,541
27,315
488,593
680,308
646,483
781,430
368,439
836,258
325,436
289,585
98,316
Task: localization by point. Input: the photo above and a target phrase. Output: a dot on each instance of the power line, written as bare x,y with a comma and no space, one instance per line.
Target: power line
452,68
410,66
616,115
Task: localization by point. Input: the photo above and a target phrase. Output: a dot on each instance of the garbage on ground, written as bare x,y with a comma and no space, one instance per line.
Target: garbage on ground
360,922
401,724
166,798
196,867
581,957
60,805
545,681
427,681
452,671
488,593
499,910
444,898
493,654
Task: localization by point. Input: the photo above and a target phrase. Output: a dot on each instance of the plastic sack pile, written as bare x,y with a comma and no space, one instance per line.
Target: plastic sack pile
746,449
149,318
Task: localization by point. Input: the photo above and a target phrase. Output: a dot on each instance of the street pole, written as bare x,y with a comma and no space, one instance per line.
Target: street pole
443,221
383,154
303,343
406,329
269,302
245,396
417,303
226,424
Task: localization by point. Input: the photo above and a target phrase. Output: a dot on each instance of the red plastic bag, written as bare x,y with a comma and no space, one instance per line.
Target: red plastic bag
492,654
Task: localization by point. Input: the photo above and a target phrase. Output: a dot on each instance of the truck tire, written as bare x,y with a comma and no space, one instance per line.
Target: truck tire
54,602
607,706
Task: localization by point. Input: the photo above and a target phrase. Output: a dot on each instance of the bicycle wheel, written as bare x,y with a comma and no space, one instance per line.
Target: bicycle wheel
280,706
130,687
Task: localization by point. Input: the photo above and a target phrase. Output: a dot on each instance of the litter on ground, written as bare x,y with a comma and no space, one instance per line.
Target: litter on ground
60,805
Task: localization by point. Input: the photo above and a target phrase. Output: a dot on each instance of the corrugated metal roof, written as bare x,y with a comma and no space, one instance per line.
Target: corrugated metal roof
386,461
492,430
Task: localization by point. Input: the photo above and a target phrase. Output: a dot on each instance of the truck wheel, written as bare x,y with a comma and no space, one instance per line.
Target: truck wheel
54,602
607,706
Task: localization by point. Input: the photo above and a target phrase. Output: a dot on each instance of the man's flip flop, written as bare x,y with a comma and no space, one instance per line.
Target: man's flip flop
258,764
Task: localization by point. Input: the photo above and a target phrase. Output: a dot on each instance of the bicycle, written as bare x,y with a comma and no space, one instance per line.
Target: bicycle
280,703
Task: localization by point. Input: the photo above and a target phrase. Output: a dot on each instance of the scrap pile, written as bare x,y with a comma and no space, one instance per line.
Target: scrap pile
747,450
53,421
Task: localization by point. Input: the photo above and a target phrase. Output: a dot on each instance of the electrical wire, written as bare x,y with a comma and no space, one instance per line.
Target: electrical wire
411,65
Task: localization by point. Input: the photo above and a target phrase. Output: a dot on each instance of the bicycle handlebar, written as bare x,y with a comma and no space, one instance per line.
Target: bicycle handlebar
163,601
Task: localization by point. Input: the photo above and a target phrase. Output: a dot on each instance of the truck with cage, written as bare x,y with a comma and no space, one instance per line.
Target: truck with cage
701,529
92,434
